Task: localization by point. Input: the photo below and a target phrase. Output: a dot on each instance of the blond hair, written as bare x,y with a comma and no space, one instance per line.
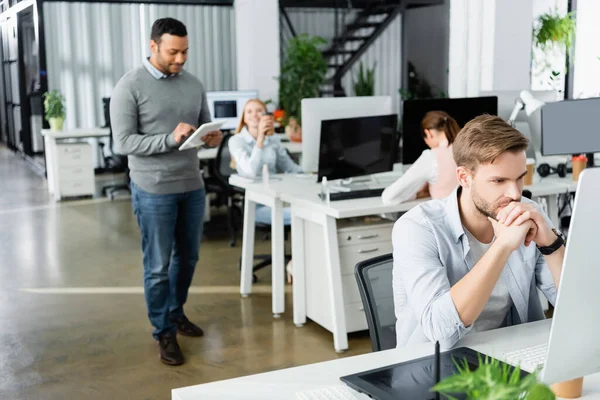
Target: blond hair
483,139
242,123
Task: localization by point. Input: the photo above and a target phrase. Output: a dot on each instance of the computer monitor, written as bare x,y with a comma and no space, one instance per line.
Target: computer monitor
462,110
228,106
570,127
316,110
353,147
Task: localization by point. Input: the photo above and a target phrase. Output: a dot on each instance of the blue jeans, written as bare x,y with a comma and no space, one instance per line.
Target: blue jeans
171,228
263,215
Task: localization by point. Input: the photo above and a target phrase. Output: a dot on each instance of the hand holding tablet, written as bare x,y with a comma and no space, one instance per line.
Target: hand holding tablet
196,138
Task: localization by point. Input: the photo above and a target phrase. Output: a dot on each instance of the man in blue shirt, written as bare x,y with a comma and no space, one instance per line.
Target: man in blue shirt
473,260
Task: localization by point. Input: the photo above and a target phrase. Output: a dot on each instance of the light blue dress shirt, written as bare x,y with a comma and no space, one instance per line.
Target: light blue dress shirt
431,254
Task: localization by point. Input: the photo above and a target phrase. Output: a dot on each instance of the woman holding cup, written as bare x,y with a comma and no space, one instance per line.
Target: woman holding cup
254,144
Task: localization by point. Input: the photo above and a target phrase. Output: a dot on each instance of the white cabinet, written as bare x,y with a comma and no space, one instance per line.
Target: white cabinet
70,162
75,170
357,242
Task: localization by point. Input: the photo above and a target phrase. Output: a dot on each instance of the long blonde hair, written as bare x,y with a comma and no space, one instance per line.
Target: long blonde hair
242,123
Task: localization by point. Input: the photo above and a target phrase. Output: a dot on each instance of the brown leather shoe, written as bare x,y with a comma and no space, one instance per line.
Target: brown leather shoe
186,328
170,353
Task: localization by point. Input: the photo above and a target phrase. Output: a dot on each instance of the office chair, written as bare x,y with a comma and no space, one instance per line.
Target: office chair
235,199
233,196
115,163
374,279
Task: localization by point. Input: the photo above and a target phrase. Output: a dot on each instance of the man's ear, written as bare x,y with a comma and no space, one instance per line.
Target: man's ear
464,176
153,46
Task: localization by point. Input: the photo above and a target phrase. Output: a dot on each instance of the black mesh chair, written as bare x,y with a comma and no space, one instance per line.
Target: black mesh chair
235,199
115,163
374,278
234,196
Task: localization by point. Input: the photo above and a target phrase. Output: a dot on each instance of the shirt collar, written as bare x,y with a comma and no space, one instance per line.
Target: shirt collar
454,214
155,72
249,138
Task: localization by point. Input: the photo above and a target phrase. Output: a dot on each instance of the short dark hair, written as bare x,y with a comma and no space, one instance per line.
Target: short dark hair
169,26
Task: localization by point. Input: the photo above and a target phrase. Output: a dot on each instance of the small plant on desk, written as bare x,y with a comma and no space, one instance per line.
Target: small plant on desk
54,107
493,380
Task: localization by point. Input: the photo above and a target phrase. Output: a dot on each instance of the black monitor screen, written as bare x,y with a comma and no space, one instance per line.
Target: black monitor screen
225,109
570,127
357,146
462,110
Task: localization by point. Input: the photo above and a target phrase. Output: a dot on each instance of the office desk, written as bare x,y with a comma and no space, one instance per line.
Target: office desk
283,384
210,154
315,235
258,193
69,166
270,195
315,227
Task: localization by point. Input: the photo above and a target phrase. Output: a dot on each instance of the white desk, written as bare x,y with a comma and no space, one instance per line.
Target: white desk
271,195
284,384
211,154
312,218
69,165
307,208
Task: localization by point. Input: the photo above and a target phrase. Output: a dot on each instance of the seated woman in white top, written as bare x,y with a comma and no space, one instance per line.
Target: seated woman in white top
254,146
434,172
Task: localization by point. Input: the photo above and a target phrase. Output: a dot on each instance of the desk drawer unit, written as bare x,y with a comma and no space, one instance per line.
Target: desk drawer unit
75,169
356,244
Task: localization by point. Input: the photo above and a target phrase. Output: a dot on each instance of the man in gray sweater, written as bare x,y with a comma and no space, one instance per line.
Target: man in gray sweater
153,109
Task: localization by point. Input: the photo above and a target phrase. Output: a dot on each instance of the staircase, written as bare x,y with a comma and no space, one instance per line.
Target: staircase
369,19
355,38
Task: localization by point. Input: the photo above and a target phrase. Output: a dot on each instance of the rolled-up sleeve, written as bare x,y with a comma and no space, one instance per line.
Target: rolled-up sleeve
418,269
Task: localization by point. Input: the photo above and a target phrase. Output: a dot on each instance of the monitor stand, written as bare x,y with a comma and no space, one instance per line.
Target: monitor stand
590,162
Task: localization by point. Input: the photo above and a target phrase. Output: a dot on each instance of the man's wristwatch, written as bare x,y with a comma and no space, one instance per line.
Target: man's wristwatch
560,240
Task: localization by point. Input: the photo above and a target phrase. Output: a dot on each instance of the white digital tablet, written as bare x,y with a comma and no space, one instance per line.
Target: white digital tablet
195,139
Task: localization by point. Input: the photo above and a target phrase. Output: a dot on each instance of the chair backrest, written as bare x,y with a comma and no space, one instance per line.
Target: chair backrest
374,278
222,169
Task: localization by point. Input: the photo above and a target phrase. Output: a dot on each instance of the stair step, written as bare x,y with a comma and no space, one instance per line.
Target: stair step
363,25
350,39
334,52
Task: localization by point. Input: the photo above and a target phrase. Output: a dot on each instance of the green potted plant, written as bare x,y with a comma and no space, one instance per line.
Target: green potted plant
493,381
365,81
302,72
553,33
54,106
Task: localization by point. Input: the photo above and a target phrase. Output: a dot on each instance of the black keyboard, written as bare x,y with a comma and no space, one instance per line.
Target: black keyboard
355,194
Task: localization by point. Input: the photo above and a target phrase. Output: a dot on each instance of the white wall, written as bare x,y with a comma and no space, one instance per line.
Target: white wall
257,46
587,65
512,45
89,46
490,46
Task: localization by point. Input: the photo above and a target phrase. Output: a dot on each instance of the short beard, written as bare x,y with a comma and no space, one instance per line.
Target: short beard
484,208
